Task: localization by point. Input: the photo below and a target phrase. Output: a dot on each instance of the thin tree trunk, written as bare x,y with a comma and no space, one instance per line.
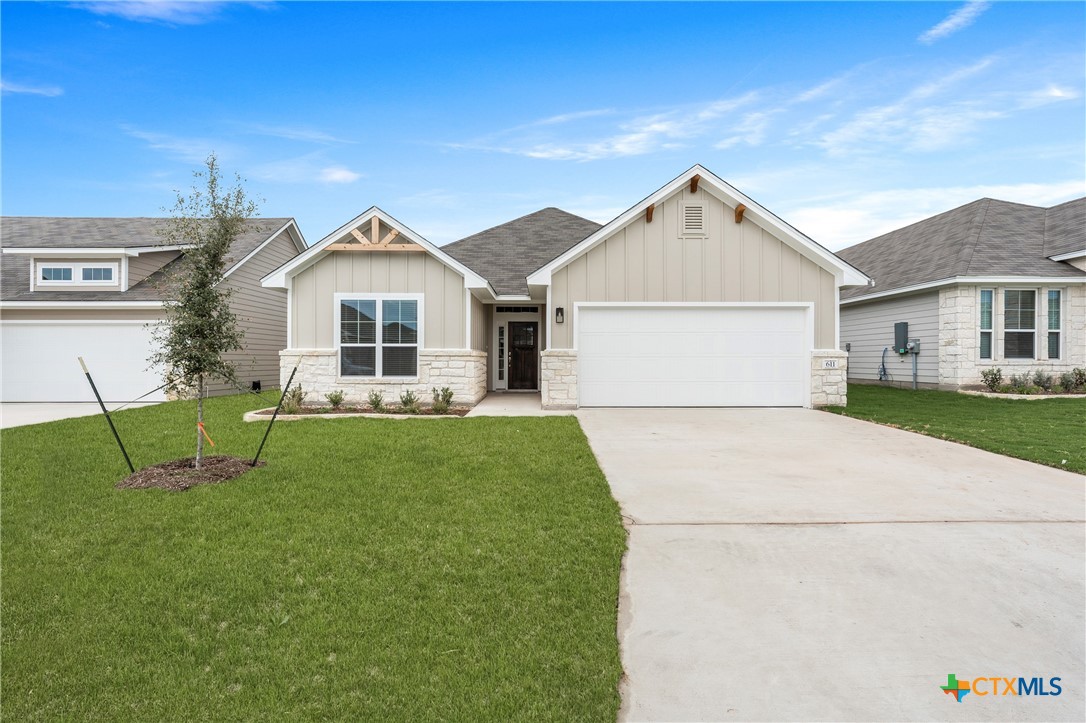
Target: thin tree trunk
199,421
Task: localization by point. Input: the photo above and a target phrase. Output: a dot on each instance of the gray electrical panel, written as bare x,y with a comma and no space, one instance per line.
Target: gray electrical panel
901,337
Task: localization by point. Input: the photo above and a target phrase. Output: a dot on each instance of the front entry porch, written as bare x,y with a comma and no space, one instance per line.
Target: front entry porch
512,404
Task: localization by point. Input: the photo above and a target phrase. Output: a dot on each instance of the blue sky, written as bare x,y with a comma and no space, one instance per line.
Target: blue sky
846,119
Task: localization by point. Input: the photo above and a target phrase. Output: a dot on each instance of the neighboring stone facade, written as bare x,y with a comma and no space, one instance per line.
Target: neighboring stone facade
959,335
829,386
559,379
463,371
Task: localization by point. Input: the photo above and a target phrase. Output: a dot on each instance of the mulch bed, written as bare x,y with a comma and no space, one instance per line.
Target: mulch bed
329,412
180,474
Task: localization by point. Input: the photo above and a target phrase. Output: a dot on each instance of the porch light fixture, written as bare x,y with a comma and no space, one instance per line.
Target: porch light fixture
559,315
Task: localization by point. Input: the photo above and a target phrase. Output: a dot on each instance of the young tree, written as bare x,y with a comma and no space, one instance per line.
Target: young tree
199,328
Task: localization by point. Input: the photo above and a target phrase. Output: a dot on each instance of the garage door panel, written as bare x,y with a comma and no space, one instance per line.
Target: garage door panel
40,362
692,356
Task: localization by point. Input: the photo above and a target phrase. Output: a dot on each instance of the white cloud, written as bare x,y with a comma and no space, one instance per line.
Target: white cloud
187,149
846,219
961,18
49,91
295,133
338,174
169,12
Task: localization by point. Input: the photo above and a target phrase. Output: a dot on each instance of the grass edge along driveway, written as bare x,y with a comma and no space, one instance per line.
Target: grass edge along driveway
1047,431
375,569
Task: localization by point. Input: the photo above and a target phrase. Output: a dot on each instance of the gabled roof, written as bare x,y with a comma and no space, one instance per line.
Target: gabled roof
845,273
21,236
504,255
985,238
278,278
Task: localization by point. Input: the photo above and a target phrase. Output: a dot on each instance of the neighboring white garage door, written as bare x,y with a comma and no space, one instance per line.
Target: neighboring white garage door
40,365
700,356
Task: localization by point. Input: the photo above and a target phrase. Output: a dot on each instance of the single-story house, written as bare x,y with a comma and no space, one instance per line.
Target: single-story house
91,287
695,296
989,284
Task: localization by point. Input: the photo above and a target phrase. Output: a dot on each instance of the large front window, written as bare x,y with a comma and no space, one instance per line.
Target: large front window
1019,323
363,352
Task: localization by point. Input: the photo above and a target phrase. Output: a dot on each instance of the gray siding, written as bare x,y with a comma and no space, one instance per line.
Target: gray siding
262,314
142,266
735,262
869,328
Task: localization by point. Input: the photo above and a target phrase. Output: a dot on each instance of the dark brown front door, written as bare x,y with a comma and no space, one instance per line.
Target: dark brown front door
523,354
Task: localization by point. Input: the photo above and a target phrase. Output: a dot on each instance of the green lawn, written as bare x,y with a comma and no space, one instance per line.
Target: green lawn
375,569
1048,431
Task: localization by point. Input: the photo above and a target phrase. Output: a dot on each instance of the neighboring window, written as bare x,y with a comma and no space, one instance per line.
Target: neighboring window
98,273
986,296
56,273
1019,323
1054,323
364,353
694,222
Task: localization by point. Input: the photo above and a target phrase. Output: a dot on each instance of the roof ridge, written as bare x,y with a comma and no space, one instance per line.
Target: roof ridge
515,220
965,253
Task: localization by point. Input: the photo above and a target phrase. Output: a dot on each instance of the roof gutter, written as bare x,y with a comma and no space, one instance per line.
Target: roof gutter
950,281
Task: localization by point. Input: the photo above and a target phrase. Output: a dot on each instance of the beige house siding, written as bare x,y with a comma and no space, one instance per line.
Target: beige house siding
142,266
869,328
1079,263
480,325
314,290
734,262
262,314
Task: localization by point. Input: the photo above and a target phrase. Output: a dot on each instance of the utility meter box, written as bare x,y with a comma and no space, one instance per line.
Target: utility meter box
914,346
901,337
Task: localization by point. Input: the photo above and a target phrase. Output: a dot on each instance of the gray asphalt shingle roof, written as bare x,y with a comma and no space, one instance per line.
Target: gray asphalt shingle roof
984,238
50,232
505,255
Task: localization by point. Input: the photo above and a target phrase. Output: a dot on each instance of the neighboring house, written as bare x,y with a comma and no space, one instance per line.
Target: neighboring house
696,296
91,287
989,284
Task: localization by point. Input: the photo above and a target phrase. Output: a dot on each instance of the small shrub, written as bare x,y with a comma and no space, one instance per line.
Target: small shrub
992,378
1042,379
293,400
376,400
442,399
1058,389
1079,377
1019,381
1006,389
335,398
409,402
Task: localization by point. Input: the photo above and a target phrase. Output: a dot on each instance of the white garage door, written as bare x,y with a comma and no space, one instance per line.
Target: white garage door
40,365
693,356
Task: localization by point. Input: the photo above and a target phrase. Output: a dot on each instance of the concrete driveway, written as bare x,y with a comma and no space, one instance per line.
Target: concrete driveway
798,565
20,414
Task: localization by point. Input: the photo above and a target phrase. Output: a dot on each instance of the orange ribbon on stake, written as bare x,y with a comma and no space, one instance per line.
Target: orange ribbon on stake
200,426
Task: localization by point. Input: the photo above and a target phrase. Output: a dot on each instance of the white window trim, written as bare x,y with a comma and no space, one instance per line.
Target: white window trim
1036,323
990,330
1057,330
378,361
77,273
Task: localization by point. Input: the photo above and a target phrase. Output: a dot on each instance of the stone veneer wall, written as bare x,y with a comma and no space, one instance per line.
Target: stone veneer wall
829,386
959,337
462,370
559,379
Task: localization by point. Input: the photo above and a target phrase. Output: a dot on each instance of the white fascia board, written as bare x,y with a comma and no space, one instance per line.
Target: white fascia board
1069,255
293,237
279,278
72,251
139,250
977,280
80,304
845,273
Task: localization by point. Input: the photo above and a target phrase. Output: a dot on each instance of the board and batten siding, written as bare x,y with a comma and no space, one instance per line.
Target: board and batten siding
734,262
262,314
869,328
376,272
480,325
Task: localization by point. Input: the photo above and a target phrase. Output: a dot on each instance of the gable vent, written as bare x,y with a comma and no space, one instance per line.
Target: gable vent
693,219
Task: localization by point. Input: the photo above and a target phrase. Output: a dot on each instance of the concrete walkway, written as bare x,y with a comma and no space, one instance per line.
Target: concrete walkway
511,404
20,414
797,565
